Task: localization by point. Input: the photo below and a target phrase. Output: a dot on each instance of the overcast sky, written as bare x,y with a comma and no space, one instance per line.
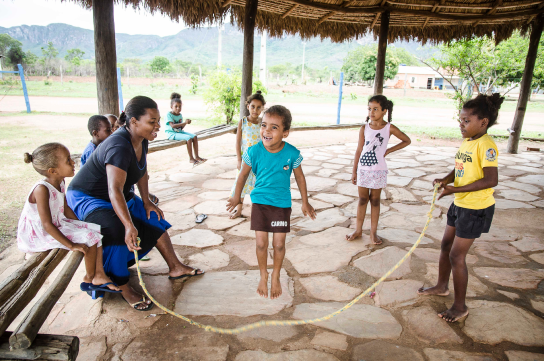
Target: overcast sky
45,12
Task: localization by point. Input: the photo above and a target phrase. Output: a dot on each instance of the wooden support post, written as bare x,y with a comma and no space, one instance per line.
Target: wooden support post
105,57
26,332
525,86
45,347
247,67
11,309
16,279
382,49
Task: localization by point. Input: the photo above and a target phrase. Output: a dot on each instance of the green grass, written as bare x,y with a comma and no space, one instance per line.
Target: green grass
454,133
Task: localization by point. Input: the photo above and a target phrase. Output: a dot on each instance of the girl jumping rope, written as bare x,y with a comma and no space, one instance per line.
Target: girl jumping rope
248,134
174,129
474,176
47,222
369,167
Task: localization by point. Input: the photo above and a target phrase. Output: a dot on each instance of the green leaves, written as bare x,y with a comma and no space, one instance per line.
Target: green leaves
224,93
160,64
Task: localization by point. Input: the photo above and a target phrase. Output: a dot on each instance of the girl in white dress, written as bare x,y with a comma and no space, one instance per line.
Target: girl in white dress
47,222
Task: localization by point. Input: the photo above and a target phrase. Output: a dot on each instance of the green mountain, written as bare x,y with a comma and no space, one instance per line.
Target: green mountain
197,45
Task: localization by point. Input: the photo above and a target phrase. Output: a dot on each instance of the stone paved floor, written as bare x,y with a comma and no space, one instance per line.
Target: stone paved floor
322,272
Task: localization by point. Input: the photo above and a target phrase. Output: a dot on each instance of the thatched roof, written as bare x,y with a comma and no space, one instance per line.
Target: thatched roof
426,20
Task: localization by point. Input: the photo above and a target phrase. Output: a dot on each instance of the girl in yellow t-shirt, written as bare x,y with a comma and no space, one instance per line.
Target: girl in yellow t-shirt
474,176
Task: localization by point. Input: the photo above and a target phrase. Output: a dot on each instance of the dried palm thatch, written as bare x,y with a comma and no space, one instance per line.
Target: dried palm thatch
425,20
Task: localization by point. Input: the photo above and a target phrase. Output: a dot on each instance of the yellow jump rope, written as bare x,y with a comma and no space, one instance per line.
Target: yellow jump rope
251,326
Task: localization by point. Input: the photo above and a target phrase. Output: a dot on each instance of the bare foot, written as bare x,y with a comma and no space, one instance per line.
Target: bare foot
275,287
434,291
454,315
355,234
262,289
237,213
375,239
103,279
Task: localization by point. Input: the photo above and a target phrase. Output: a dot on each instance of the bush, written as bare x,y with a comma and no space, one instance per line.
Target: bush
353,96
194,83
224,93
48,82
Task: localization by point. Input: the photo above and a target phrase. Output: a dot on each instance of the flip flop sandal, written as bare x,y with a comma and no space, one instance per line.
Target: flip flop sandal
192,274
96,294
104,288
200,218
145,258
138,303
203,161
85,287
196,163
154,199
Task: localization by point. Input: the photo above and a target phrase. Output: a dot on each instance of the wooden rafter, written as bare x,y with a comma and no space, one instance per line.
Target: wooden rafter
286,14
324,18
226,3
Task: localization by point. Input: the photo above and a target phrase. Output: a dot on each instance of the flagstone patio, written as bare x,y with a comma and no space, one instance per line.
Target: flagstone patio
322,271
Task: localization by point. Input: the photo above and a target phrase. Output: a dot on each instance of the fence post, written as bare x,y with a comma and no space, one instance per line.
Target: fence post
121,105
340,97
25,92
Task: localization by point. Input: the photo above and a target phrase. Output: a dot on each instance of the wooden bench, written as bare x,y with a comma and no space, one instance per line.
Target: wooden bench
18,290
212,132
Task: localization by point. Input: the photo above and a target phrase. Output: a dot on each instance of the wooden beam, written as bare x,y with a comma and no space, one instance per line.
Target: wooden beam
375,20
495,7
26,332
157,145
247,63
382,49
105,57
288,12
422,13
323,18
326,127
426,21
525,86
45,347
226,3
10,285
11,309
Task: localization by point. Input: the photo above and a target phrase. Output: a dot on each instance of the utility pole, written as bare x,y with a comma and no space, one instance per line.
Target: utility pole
303,56
262,72
219,46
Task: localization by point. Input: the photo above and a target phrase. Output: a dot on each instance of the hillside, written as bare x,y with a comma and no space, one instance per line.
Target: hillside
196,45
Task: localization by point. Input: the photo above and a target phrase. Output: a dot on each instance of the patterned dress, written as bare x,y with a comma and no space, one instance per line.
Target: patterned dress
251,135
372,168
32,237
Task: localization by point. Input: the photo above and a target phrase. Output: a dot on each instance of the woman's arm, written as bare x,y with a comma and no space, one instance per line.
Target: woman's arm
116,181
405,140
490,180
358,152
307,209
239,144
143,187
41,196
234,201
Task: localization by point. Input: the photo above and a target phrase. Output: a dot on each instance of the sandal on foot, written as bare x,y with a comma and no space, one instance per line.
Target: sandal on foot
154,199
96,294
85,286
145,258
192,274
104,288
136,304
200,218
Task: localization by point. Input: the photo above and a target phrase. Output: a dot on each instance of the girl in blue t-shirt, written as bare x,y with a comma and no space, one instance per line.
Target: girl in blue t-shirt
174,129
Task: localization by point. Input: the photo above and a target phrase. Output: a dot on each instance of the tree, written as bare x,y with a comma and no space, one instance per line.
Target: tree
360,64
6,43
74,57
160,64
49,54
224,92
16,55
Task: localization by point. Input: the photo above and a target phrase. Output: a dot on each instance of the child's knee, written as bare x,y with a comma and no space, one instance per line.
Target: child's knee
262,246
278,246
363,201
374,201
457,259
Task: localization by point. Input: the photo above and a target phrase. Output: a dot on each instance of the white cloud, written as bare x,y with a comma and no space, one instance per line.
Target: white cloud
45,12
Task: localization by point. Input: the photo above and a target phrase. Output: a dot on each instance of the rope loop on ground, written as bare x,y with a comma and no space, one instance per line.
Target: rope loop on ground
251,326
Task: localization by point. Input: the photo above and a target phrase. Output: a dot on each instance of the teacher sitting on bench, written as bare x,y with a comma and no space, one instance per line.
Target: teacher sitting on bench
102,193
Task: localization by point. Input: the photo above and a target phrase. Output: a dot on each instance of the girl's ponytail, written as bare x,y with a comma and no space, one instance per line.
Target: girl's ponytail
257,96
389,111
28,158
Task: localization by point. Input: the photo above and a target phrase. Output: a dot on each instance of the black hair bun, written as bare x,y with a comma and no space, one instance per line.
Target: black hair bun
175,96
259,92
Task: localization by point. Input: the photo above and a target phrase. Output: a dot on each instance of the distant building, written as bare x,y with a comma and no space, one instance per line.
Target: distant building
419,77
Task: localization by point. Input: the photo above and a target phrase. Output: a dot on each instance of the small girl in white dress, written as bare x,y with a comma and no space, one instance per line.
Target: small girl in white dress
47,222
